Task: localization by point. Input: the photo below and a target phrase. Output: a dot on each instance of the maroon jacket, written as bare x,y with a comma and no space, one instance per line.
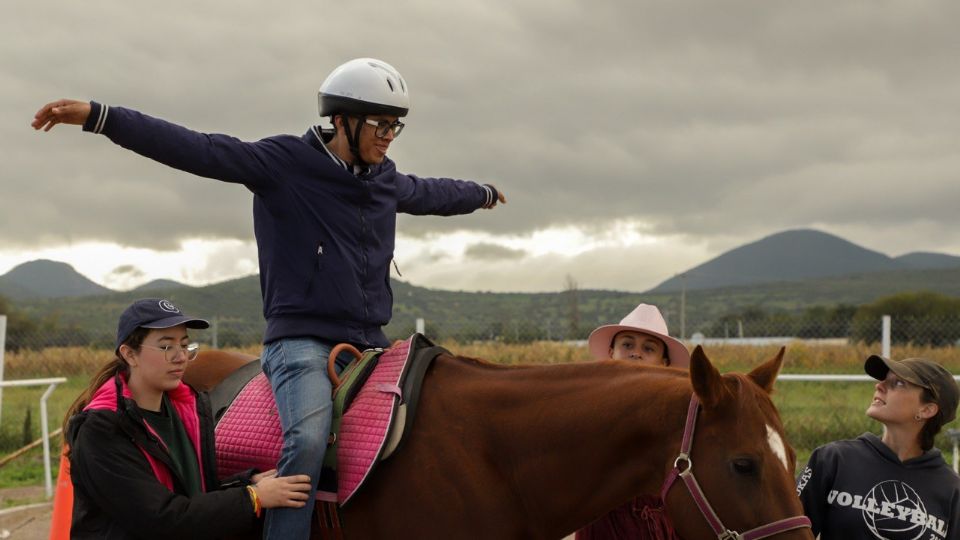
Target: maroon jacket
643,518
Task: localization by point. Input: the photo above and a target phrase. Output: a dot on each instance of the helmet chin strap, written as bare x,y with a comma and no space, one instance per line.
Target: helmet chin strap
354,139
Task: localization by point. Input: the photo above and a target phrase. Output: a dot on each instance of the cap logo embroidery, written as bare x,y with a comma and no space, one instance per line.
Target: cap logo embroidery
166,305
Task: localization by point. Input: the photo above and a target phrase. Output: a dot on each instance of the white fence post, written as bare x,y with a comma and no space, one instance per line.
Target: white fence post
885,343
45,431
3,348
44,423
214,343
420,325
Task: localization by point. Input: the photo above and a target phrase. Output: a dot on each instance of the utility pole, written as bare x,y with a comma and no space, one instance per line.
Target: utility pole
683,306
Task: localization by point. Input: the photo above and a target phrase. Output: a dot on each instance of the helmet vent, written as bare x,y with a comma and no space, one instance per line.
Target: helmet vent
390,84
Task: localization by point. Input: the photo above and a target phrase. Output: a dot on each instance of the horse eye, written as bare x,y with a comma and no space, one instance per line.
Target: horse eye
744,466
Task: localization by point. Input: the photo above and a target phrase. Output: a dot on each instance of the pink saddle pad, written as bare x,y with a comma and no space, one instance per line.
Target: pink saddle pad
249,435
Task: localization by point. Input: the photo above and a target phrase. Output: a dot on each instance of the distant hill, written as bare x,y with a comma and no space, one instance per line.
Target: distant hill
47,279
796,255
923,260
793,296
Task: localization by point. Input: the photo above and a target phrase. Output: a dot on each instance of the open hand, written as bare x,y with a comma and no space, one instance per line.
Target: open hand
62,111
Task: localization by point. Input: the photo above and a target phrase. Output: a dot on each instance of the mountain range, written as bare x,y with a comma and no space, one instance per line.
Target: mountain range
797,255
43,278
787,271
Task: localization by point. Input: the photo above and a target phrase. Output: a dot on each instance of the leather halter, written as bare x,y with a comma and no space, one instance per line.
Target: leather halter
763,531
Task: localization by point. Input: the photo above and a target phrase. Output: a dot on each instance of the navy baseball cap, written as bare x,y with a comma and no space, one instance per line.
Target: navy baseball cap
153,313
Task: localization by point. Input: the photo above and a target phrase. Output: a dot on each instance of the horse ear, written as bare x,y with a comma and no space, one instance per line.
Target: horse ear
766,374
707,381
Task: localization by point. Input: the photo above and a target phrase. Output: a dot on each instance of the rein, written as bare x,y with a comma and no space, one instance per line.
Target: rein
723,533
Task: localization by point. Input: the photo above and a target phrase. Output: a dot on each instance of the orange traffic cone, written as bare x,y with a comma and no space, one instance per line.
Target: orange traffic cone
62,501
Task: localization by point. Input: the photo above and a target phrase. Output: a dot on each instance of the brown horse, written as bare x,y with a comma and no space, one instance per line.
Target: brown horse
539,451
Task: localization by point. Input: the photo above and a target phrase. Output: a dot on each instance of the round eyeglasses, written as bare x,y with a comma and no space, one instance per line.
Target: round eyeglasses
382,127
172,352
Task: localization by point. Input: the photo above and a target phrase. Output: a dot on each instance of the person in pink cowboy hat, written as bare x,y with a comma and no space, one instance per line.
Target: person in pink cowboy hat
642,337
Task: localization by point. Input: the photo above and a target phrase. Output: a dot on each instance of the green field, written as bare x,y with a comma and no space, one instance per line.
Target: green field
813,413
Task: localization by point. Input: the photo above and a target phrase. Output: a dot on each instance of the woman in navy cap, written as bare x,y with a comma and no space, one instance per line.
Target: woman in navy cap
141,443
896,485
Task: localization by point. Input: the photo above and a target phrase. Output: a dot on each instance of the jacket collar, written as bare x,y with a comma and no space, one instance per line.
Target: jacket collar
112,394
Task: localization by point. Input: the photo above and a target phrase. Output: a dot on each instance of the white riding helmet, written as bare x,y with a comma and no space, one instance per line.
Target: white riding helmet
364,86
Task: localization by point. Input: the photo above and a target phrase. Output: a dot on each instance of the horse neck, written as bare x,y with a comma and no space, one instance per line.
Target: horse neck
580,439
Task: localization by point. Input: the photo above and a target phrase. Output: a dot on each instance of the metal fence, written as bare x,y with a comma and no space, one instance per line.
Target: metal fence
524,328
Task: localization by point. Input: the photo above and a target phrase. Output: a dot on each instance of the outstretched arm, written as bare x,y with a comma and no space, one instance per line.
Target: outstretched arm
62,111
222,157
444,196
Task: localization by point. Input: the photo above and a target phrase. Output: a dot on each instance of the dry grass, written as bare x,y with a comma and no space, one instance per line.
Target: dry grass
800,357
54,362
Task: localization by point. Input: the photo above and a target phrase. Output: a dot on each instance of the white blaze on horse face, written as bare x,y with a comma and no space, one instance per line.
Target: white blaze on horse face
776,444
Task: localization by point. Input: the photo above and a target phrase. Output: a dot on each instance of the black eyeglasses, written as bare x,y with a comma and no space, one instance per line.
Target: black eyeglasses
382,127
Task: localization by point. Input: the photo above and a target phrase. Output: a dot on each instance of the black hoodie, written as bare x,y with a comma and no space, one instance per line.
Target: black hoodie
859,489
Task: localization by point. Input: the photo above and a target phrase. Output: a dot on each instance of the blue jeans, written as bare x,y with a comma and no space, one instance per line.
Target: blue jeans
297,371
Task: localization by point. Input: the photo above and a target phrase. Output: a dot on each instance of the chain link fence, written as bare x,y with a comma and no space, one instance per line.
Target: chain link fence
227,332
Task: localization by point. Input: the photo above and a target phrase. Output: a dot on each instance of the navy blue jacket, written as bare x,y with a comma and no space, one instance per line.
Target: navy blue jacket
325,237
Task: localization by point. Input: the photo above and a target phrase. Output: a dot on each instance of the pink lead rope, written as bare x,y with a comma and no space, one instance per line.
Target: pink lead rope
763,531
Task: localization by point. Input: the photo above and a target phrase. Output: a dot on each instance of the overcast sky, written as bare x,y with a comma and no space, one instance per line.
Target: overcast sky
633,139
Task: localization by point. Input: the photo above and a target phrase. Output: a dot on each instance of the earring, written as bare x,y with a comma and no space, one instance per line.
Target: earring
917,417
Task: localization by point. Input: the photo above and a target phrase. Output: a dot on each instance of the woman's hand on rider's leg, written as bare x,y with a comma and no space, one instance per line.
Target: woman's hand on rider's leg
283,491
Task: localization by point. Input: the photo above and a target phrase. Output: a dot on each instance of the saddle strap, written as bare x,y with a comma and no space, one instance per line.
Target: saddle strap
328,520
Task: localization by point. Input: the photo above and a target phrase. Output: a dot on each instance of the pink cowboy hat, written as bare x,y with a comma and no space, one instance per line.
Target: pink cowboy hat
644,318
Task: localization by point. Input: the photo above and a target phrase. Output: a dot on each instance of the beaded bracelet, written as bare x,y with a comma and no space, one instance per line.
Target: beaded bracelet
255,499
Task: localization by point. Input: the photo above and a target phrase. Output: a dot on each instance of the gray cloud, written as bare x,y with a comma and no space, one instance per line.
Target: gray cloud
492,252
715,121
126,271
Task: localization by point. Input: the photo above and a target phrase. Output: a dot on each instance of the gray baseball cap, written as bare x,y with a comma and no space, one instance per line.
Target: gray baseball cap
921,372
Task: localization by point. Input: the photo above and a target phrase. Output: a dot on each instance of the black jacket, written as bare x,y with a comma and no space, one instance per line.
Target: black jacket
124,482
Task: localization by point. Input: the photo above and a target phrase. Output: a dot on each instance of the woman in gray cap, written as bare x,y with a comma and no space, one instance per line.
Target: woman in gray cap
897,485
141,444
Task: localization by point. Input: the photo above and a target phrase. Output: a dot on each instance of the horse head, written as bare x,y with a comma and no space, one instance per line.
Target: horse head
737,465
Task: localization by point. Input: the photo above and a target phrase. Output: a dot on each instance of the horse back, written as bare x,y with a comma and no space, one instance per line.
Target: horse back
213,366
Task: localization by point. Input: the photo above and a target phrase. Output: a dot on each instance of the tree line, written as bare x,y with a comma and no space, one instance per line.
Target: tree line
921,318
25,331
